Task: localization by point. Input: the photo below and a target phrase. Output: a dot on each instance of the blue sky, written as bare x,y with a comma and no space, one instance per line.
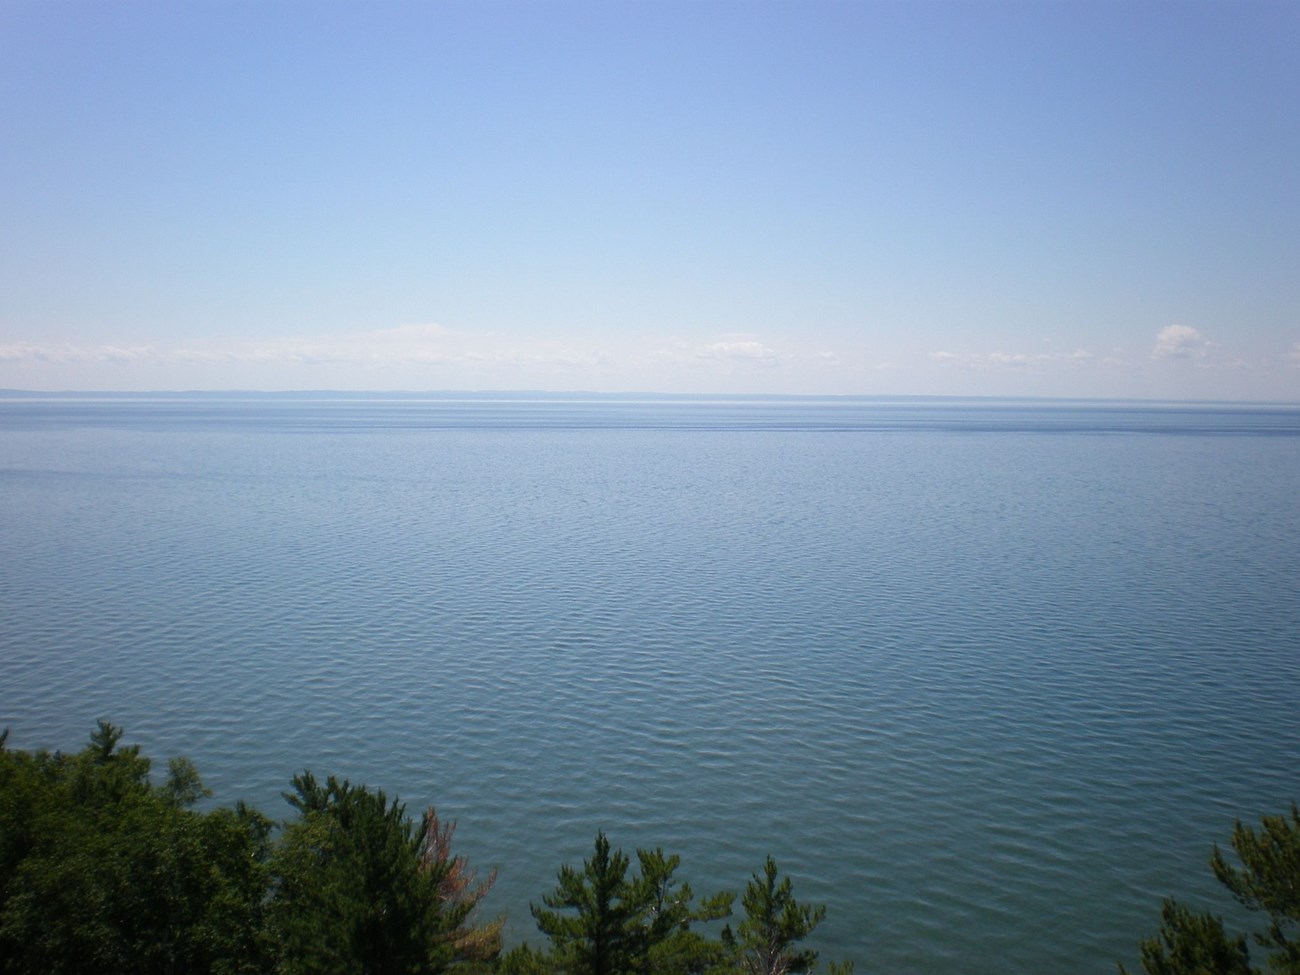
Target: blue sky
1048,198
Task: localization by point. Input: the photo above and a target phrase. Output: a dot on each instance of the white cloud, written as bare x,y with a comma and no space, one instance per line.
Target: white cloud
23,352
1010,360
737,350
64,352
744,349
401,346
1293,357
407,354
1179,342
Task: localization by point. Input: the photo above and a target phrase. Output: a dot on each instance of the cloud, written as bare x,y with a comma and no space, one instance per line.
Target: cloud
744,349
64,352
732,351
1010,360
1293,357
1179,342
405,345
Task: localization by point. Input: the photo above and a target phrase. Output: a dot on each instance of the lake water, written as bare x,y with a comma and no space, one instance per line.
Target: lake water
986,678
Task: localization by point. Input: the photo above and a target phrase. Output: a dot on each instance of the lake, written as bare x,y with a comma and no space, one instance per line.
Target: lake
988,678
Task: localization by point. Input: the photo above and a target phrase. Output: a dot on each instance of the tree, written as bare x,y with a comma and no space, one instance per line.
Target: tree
765,941
358,887
461,892
602,936
668,911
1192,944
1267,880
601,921
102,871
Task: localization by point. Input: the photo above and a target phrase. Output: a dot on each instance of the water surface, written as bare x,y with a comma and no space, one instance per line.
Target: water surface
987,678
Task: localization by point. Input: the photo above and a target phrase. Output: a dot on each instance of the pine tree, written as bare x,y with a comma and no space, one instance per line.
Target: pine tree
474,944
602,921
103,871
601,936
765,941
668,911
1192,944
1267,880
360,888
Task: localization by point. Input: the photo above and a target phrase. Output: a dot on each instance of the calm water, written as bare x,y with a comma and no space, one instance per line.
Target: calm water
988,679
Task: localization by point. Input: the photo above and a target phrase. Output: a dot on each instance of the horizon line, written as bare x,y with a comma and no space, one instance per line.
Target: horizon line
540,394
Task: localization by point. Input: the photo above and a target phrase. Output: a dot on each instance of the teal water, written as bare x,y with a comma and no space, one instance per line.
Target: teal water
987,678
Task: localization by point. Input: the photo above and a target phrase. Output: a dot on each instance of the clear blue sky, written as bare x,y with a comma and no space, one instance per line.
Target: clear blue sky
1050,198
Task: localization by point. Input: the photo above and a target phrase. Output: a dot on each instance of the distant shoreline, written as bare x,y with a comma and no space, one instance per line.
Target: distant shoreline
551,396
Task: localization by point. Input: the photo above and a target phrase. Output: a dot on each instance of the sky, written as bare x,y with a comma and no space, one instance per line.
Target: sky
938,197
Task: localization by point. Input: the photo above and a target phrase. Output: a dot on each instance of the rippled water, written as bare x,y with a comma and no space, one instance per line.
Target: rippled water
986,678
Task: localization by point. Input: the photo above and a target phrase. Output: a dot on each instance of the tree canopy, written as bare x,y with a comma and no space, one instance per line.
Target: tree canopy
765,941
603,920
1263,874
103,871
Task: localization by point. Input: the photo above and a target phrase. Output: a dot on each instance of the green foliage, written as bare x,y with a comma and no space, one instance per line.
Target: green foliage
672,946
765,941
101,871
601,921
1192,944
1268,880
526,960
602,936
354,891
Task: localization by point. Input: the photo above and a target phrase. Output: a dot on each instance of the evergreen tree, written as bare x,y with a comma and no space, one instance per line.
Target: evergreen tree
474,944
668,911
102,871
1192,944
602,921
601,936
765,941
1267,879
357,890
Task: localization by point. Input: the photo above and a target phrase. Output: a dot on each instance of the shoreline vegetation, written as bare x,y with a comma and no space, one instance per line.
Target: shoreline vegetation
104,871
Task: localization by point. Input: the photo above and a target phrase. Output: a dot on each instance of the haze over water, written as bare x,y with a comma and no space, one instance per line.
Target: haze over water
987,677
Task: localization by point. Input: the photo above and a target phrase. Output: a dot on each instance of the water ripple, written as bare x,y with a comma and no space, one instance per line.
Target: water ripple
989,698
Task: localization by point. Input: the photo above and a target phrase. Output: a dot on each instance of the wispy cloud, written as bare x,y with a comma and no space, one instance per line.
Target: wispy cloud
425,344
737,350
1179,342
743,349
67,352
1010,360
